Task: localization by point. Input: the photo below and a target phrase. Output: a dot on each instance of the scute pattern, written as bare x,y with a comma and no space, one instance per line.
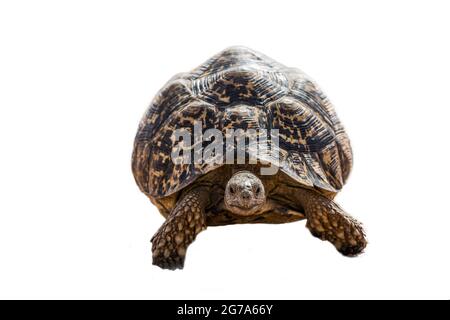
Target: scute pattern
241,89
241,86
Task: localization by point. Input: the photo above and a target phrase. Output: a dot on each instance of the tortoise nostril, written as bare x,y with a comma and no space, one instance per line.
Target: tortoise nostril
245,195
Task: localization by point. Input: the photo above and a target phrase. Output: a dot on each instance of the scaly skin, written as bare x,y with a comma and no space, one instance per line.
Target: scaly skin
186,220
327,221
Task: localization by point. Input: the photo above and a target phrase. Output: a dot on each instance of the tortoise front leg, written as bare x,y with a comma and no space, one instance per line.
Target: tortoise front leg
327,221
186,220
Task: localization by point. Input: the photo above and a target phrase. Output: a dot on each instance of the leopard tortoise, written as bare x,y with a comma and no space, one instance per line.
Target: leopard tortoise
296,177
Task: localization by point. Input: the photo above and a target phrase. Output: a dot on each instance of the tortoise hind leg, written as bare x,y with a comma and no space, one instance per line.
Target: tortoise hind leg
327,221
186,220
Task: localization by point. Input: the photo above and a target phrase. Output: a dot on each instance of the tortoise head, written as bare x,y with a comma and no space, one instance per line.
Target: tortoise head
244,194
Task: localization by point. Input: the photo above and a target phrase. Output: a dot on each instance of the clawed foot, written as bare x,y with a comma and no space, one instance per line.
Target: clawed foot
343,231
168,260
170,243
166,254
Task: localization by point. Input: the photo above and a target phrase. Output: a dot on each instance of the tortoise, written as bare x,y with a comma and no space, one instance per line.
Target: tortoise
302,169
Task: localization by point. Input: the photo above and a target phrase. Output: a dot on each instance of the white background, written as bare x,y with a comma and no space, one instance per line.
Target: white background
76,76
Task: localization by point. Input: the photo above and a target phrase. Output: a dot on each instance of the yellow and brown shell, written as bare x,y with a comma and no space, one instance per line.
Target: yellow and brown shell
243,89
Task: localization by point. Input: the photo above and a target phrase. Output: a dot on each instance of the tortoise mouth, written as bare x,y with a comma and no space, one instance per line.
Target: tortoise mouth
245,210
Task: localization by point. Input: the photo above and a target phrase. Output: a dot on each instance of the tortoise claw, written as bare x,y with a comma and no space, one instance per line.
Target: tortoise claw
172,262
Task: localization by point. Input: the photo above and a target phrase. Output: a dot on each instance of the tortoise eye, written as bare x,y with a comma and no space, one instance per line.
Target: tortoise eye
258,190
232,190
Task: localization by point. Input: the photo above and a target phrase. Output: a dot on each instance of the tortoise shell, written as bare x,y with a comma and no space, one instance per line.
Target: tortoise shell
243,89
